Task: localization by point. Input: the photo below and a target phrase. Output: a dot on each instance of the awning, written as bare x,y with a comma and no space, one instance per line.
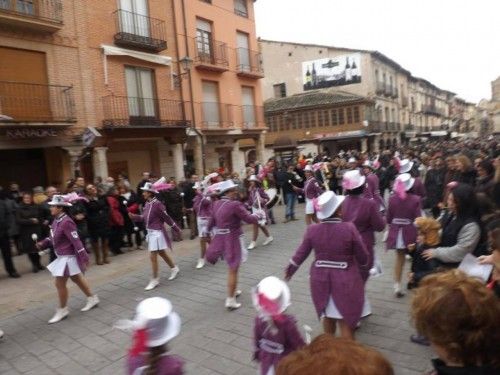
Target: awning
116,51
439,133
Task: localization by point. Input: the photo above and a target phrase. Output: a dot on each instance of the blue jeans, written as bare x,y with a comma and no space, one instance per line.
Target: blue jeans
290,205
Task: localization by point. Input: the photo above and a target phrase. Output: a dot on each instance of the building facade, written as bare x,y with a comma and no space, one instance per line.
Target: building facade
405,107
223,85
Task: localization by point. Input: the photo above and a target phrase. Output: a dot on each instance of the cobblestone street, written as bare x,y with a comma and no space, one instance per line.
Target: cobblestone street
212,340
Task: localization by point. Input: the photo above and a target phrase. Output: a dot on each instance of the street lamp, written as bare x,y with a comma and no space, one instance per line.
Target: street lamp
186,64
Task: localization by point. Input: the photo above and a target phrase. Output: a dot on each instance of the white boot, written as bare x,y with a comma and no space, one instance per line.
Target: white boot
200,264
252,245
92,302
59,315
174,272
398,291
237,293
231,303
268,240
152,284
1,333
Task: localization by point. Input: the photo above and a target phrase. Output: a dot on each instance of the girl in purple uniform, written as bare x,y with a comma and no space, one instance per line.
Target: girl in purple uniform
72,258
257,199
275,333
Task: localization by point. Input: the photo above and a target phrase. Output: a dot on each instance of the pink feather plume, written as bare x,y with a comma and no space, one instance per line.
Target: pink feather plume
163,186
397,163
316,204
399,188
73,197
316,167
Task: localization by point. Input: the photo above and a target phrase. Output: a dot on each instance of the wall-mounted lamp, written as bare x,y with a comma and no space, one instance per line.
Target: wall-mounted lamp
186,63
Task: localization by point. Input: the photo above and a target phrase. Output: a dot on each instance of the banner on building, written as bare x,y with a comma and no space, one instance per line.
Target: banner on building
328,72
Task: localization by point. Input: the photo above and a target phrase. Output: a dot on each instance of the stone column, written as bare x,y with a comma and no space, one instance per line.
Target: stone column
375,143
74,153
237,158
260,145
100,162
198,156
178,154
364,144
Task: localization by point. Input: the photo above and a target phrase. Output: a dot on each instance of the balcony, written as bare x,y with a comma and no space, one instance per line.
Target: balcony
394,92
410,127
380,89
375,127
126,111
391,126
431,109
139,32
253,117
210,55
33,104
249,63
37,15
404,100
217,116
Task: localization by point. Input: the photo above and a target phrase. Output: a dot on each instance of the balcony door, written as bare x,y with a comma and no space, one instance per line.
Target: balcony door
243,52
141,95
248,106
211,110
204,41
21,6
134,17
24,90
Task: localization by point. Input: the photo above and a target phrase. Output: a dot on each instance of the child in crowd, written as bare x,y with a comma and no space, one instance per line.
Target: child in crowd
427,238
275,333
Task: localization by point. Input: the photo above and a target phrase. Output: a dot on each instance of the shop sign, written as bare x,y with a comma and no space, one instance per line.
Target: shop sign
353,133
31,133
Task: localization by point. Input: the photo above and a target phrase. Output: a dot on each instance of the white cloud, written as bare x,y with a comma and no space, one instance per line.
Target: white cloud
455,44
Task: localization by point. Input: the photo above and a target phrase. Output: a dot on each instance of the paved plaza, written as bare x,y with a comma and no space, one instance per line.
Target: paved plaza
212,340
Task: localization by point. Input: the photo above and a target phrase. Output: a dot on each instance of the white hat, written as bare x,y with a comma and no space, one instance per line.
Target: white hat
148,186
155,315
59,200
254,178
308,168
353,179
328,203
352,160
406,179
405,166
368,164
224,186
271,296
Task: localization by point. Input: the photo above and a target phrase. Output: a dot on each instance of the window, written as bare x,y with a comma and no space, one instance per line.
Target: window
243,50
279,90
295,120
206,1
271,123
376,75
321,120
140,92
204,40
280,120
307,120
210,105
349,115
240,8
334,118
300,119
356,115
314,118
248,106
341,116
134,17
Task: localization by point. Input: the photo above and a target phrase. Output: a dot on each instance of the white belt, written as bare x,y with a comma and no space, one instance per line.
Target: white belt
398,221
222,231
331,264
271,346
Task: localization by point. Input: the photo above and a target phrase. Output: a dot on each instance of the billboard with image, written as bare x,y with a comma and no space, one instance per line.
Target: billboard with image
331,71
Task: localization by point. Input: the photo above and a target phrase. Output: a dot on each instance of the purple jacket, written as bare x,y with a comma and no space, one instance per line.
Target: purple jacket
372,190
226,217
340,261
155,217
365,214
419,188
64,239
400,215
273,341
168,365
311,188
252,197
202,205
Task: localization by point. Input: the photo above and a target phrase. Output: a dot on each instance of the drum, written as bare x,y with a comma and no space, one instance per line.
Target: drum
272,193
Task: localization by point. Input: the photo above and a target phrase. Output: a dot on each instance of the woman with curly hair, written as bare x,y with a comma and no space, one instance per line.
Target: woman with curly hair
459,315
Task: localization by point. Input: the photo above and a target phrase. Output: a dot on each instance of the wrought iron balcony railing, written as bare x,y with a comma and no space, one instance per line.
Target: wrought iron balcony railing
36,103
380,89
40,15
210,54
252,116
431,109
139,31
129,111
249,63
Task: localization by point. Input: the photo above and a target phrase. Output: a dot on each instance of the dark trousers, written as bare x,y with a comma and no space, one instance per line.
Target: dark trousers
6,255
138,238
34,259
115,239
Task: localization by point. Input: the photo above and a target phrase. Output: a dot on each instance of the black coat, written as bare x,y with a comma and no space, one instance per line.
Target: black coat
97,216
4,219
24,215
434,185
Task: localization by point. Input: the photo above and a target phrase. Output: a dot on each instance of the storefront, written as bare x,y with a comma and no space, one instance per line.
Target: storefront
333,143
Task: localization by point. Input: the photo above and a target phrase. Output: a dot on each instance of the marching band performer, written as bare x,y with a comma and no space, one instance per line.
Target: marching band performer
406,166
257,199
365,214
340,268
155,217
72,258
311,190
227,240
372,190
404,207
275,333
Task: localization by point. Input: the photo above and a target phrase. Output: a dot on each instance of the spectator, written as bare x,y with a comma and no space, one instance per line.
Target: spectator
494,257
189,193
79,185
466,173
291,180
14,193
5,221
496,181
173,202
146,177
38,195
116,221
130,203
98,224
459,315
485,175
328,355
434,185
28,217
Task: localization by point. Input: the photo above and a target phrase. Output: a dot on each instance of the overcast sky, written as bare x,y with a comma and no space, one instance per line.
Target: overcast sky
455,44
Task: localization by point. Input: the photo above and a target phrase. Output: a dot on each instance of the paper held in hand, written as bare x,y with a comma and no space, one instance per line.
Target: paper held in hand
470,265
